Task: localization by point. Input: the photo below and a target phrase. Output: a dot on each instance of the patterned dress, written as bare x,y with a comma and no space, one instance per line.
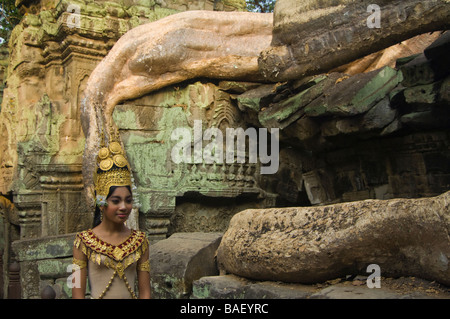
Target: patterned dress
112,270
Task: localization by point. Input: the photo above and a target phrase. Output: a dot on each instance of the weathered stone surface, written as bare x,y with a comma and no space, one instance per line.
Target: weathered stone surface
379,116
233,287
283,113
379,129
312,37
219,287
252,100
422,94
362,292
355,95
436,51
419,71
179,260
44,248
313,244
42,262
278,290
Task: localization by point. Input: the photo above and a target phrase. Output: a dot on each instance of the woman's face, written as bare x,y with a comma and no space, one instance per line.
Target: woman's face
120,204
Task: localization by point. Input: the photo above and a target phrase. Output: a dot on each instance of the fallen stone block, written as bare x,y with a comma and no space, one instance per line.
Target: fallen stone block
179,260
379,116
404,237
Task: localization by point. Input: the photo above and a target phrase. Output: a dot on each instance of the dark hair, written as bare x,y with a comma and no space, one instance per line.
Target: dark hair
98,213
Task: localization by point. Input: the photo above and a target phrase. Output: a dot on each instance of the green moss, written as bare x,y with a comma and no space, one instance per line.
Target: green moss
378,87
126,120
53,268
201,292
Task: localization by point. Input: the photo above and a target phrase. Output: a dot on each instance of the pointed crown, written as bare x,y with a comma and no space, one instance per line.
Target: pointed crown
112,167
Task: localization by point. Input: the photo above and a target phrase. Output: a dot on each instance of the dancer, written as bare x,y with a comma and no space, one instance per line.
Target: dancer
111,255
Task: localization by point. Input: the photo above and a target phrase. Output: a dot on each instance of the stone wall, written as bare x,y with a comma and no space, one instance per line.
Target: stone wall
377,134
186,196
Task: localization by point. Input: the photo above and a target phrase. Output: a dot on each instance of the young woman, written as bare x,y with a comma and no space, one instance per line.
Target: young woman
111,255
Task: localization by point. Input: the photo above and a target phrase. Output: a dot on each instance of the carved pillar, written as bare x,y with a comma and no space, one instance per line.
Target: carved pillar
29,213
63,203
14,287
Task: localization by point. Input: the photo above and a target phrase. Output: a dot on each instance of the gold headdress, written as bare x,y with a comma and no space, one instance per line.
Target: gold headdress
113,169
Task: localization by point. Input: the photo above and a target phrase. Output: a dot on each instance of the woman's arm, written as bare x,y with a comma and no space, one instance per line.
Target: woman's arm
79,273
143,276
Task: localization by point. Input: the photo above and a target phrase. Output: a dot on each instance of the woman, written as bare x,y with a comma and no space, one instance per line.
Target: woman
110,254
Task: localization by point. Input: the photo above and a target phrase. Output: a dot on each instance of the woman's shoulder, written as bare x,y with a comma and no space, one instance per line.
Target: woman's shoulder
83,233
139,233
82,237
139,236
140,240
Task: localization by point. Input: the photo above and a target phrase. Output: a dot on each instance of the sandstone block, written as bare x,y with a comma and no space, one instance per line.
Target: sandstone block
179,260
315,244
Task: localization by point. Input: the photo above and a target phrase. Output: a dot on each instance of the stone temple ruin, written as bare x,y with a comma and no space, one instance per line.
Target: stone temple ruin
363,120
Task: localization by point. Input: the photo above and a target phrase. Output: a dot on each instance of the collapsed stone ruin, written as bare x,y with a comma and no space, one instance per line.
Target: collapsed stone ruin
363,124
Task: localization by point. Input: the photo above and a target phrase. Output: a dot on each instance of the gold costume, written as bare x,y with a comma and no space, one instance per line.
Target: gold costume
112,269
